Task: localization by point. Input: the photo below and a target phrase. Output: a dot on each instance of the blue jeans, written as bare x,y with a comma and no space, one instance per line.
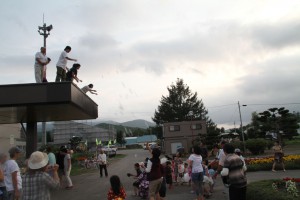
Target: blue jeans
197,179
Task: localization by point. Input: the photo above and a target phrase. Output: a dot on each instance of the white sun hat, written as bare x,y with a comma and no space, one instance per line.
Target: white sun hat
38,160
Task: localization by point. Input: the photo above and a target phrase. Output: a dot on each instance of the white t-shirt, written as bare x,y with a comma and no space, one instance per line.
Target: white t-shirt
221,157
102,158
43,58
197,163
85,89
10,167
62,60
66,161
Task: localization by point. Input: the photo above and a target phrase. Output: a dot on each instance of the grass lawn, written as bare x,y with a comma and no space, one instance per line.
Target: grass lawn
264,190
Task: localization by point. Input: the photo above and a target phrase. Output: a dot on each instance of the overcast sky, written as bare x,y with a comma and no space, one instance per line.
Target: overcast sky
132,50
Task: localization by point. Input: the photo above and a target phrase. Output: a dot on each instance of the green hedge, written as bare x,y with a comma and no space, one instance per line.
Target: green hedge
262,190
256,146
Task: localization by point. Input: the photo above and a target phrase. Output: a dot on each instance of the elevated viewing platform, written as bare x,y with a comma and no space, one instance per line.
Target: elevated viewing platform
43,102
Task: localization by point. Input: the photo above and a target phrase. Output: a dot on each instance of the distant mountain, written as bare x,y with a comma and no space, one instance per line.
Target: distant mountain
135,127
138,123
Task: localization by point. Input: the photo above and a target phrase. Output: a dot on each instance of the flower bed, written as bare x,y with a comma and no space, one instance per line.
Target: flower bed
284,189
265,163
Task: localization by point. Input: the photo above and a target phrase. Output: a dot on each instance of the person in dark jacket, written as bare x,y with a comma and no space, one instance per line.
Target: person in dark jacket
155,174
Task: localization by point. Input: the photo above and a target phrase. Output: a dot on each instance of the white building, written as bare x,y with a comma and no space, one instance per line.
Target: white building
11,135
65,130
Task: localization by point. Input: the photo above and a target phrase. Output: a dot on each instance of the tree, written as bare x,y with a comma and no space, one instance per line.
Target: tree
120,138
280,121
74,142
183,105
180,105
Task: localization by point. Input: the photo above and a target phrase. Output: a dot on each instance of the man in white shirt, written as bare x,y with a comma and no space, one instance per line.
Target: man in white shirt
61,64
41,60
12,176
102,163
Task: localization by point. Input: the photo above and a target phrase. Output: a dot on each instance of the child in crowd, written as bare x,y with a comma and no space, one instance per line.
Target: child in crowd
207,179
169,180
116,191
187,174
177,160
144,183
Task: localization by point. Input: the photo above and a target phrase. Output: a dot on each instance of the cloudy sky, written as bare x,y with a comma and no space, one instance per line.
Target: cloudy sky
132,50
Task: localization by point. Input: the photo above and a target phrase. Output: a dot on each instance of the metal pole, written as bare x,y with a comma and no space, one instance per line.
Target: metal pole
242,127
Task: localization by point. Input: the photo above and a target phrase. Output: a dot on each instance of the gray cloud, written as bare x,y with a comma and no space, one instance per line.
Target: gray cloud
277,35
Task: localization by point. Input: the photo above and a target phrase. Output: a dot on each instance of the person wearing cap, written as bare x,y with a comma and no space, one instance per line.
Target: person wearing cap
238,152
36,182
61,64
3,193
12,176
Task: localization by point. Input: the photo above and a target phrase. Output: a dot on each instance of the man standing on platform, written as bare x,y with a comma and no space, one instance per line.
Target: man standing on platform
41,60
62,64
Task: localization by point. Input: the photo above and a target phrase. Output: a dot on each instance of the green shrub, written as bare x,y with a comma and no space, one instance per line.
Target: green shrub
256,146
263,190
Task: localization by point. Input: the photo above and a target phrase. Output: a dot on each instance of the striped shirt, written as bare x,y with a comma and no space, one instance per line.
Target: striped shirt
236,176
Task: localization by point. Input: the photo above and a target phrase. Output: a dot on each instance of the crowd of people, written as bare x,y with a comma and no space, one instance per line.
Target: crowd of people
152,178
159,173
63,73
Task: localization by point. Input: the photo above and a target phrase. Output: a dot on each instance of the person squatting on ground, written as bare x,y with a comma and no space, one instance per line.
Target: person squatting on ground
278,156
234,174
195,161
102,163
37,182
12,176
89,88
3,192
117,191
61,64
155,176
41,60
136,183
72,73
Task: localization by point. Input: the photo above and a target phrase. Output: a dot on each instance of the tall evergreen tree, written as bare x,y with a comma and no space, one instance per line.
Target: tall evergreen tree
183,105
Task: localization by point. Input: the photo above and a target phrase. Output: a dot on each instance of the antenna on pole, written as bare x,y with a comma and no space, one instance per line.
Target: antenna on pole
44,30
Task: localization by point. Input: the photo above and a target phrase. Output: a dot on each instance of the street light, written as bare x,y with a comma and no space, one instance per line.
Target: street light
243,138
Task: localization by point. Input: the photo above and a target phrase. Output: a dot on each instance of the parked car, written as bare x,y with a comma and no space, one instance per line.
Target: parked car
110,150
152,145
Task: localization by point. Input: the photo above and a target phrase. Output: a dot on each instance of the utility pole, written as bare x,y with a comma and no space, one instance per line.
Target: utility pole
242,127
44,31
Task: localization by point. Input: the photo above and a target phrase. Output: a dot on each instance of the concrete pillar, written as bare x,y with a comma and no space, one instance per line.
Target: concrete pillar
31,138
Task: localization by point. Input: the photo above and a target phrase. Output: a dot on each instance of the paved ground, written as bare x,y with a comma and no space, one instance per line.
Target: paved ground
91,186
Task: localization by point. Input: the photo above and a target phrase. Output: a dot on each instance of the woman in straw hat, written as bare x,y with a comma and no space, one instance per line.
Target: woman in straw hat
37,183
